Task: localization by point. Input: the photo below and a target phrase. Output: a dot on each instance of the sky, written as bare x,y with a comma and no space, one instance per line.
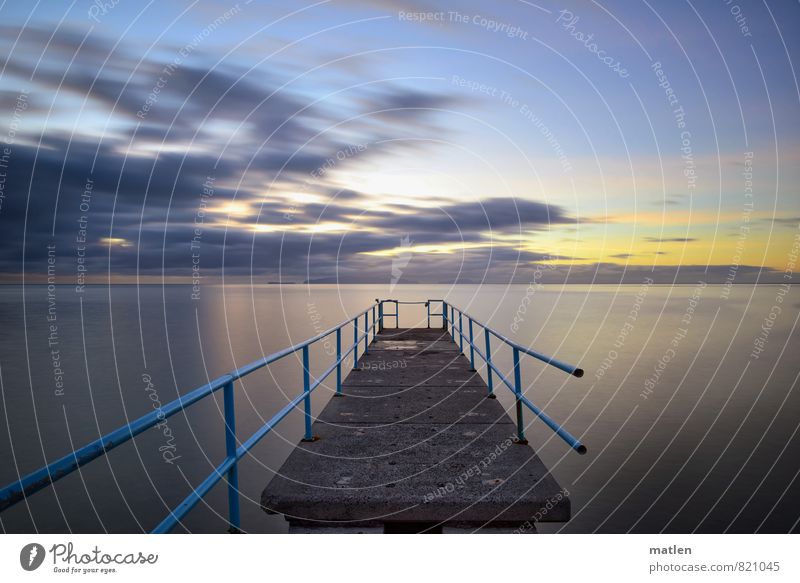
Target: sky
412,142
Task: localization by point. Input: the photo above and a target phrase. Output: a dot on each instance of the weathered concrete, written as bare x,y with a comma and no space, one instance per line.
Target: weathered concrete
414,445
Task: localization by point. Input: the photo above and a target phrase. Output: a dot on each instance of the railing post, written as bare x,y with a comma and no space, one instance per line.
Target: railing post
396,314
307,398
380,316
444,314
453,323
518,391
489,364
461,330
374,324
366,332
234,520
471,347
338,362
428,308
355,343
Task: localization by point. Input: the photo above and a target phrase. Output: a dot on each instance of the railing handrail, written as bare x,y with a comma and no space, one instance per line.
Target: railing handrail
47,475
516,387
264,361
567,368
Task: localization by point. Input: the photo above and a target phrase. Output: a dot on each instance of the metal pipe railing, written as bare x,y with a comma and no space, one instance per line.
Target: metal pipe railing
228,469
488,359
449,324
230,453
338,361
471,348
516,386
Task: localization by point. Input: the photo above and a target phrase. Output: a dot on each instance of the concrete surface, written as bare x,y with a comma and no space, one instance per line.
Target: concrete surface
414,445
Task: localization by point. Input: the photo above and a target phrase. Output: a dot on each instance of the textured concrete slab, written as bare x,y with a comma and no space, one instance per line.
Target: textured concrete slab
335,529
457,375
422,404
406,369
415,447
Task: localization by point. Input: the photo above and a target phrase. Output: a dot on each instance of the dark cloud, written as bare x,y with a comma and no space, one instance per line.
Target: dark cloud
17,103
793,222
506,215
147,175
668,201
393,103
152,204
669,239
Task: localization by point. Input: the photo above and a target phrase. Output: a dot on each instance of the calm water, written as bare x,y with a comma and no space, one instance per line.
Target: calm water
688,428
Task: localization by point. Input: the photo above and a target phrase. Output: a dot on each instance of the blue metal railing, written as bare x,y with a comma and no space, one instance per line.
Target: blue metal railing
449,322
19,490
448,315
396,314
234,450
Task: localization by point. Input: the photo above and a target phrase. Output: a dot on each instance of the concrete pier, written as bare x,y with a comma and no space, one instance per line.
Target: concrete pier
414,445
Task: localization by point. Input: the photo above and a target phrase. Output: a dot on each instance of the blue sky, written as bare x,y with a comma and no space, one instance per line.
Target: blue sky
467,141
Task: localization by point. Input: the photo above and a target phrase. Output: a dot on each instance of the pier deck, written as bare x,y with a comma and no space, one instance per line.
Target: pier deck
414,444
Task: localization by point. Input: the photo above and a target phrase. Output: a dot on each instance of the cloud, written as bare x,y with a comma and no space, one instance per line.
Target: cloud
467,218
792,222
147,174
669,239
407,105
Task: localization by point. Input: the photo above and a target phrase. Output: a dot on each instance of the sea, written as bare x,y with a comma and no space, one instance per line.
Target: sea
689,404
